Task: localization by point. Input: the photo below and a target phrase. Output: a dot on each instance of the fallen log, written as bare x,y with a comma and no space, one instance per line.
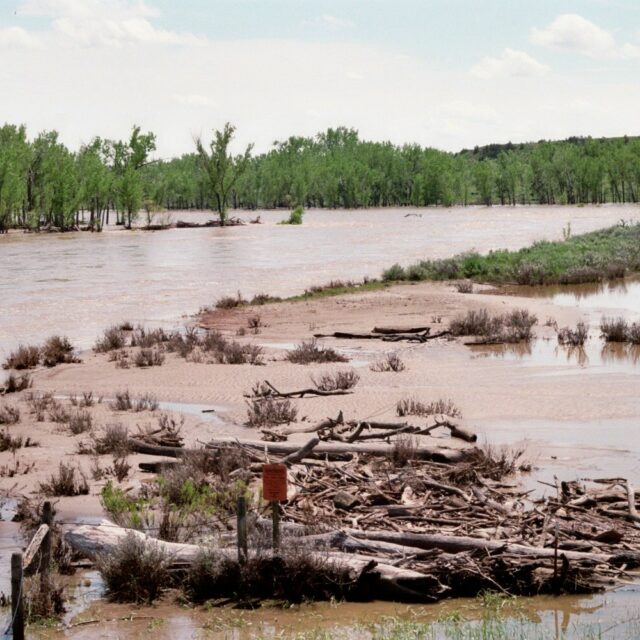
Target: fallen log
394,337
395,330
267,390
330,450
458,544
389,581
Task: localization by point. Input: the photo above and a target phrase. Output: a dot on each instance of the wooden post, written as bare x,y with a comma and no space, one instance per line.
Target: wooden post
275,519
17,609
242,530
47,518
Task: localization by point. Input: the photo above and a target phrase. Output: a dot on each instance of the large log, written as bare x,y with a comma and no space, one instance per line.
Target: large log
390,582
458,544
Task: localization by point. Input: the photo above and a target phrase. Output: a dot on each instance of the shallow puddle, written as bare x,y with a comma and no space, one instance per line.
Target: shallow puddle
621,297
595,356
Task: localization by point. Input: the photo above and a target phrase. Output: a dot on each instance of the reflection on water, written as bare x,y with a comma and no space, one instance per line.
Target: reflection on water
622,295
78,283
595,356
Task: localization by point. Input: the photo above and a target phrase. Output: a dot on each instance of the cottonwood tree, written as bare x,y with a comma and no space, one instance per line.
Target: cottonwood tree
129,158
221,168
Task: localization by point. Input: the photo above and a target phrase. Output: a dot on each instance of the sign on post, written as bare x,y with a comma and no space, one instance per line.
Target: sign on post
274,489
274,482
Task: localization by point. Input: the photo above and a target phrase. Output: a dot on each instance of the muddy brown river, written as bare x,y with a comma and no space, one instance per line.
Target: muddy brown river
78,283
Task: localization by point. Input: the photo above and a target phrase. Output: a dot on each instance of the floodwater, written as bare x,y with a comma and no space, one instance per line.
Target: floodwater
79,283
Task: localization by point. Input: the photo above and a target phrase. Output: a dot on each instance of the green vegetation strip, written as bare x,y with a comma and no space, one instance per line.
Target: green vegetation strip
591,257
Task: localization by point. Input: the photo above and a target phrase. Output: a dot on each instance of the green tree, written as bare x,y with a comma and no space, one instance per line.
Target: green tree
221,168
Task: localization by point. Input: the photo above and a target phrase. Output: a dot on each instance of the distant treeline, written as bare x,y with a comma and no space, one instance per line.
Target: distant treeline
42,182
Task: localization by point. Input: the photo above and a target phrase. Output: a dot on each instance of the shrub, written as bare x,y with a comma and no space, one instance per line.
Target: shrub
581,275
9,414
574,337
394,272
122,401
389,362
114,439
149,358
311,351
514,326
338,381
466,286
295,217
69,481
223,351
137,570
264,298
120,467
15,384
125,326
58,412
267,412
80,422
43,598
614,329
113,338
13,443
146,338
57,350
39,403
412,407
633,333
292,576
254,323
146,402
24,357
230,302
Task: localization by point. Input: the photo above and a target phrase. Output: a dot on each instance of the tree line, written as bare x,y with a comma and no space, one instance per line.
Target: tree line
45,184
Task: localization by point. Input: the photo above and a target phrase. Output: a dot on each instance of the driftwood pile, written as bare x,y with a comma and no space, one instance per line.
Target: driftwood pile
416,522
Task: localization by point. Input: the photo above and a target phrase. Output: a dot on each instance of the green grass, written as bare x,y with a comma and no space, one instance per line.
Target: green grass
591,257
338,288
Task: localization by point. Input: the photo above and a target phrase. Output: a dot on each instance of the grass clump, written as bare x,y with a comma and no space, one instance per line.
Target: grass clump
269,412
9,414
149,358
124,402
413,407
264,298
514,326
574,337
80,422
231,302
15,383
24,357
137,570
338,381
311,351
633,333
147,338
465,286
13,443
590,257
614,329
57,350
112,338
389,362
69,481
113,439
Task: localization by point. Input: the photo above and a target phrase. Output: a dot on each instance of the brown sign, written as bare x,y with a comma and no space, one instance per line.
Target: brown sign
274,482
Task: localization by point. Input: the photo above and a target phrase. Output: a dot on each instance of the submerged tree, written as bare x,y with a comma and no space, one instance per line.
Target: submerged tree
221,168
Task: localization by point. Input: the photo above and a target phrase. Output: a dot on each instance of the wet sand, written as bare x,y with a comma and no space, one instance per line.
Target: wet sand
574,419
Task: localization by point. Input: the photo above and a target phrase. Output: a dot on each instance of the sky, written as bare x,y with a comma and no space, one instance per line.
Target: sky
449,74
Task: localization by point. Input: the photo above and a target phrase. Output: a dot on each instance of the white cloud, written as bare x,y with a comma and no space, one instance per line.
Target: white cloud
327,21
104,22
18,37
572,32
509,63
